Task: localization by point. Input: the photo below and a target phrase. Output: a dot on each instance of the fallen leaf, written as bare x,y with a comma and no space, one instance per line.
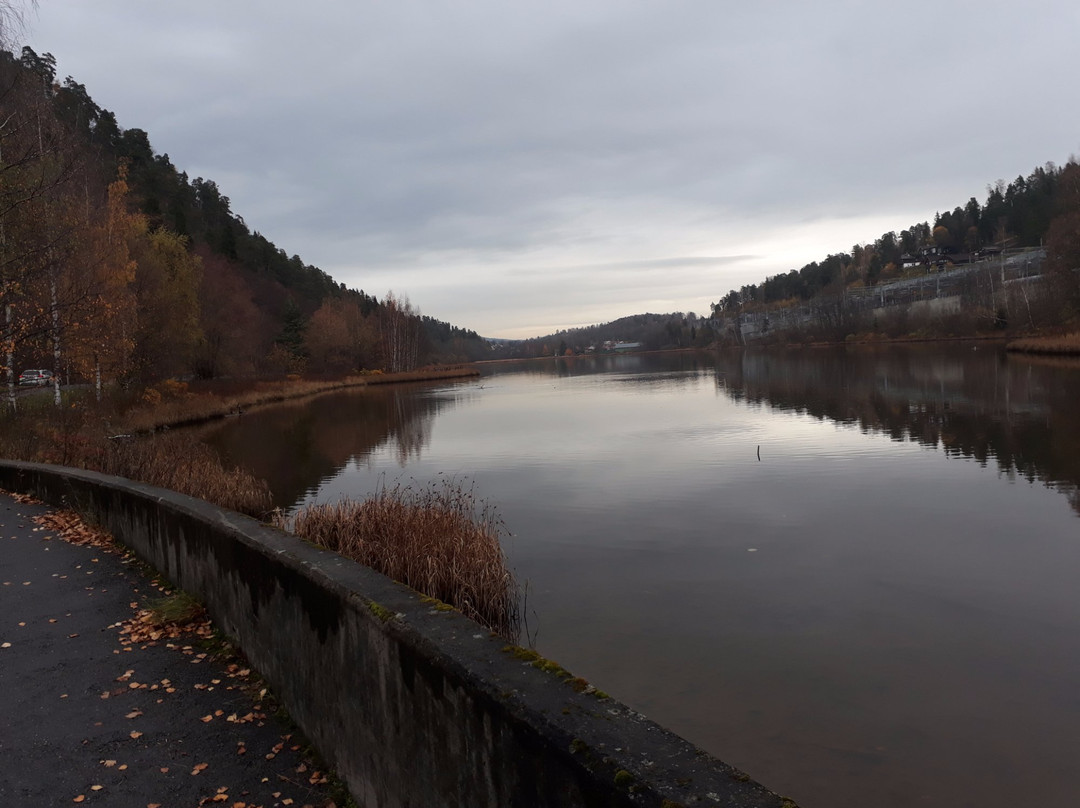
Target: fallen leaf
79,798
135,734
96,788
134,714
108,763
199,767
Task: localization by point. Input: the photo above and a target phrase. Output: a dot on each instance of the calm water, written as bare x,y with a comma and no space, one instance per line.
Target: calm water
853,574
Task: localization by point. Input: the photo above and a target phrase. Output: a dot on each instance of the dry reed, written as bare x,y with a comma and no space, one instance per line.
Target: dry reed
174,461
181,464
164,411
1064,344
439,540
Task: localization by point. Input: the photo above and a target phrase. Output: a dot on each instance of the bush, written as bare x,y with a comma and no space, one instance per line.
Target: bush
438,540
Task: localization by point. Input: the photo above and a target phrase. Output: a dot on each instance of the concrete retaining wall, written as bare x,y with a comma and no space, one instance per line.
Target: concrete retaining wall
413,705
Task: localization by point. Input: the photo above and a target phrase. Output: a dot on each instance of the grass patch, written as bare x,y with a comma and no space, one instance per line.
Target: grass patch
1062,344
439,540
178,609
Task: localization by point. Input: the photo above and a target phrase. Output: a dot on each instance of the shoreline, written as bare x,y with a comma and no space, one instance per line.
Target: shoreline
1057,345
199,408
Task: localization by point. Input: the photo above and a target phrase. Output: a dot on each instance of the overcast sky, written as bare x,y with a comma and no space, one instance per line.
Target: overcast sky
520,167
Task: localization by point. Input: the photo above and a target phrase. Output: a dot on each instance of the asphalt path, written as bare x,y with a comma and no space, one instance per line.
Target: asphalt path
96,710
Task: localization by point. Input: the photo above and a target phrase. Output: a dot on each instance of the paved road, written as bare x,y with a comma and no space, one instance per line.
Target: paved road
94,714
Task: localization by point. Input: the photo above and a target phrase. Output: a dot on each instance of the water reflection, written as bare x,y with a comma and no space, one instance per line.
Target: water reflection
973,401
883,604
296,446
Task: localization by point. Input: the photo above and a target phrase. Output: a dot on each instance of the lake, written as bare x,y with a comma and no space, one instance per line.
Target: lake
850,572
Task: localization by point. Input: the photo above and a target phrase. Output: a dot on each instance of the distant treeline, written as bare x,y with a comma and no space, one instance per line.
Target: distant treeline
646,332
115,265
1042,208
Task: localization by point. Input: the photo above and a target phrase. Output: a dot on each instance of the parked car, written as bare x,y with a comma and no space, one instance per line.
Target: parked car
35,377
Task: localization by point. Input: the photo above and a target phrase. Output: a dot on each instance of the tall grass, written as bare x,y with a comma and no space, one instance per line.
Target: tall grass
439,540
70,437
1067,344
160,407
181,464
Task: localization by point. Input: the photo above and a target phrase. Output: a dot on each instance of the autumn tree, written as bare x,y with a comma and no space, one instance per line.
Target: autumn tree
166,287
102,334
38,166
340,338
399,333
231,321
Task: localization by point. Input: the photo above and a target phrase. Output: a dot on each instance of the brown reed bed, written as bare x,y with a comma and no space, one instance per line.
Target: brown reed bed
439,540
181,464
70,437
1059,345
175,404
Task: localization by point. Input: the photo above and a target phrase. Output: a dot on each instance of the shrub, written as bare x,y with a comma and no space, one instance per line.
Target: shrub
439,540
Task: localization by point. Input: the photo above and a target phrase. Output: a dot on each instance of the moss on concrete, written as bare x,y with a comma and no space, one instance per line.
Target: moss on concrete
380,612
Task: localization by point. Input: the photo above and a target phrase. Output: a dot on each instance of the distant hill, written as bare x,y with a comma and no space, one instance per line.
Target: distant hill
646,332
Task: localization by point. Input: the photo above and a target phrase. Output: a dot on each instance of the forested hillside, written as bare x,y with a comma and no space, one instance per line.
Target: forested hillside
116,266
645,332
1042,209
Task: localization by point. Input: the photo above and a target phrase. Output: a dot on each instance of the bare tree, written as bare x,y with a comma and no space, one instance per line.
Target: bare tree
13,21
399,332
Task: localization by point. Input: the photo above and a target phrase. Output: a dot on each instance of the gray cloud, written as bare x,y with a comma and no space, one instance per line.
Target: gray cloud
465,152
